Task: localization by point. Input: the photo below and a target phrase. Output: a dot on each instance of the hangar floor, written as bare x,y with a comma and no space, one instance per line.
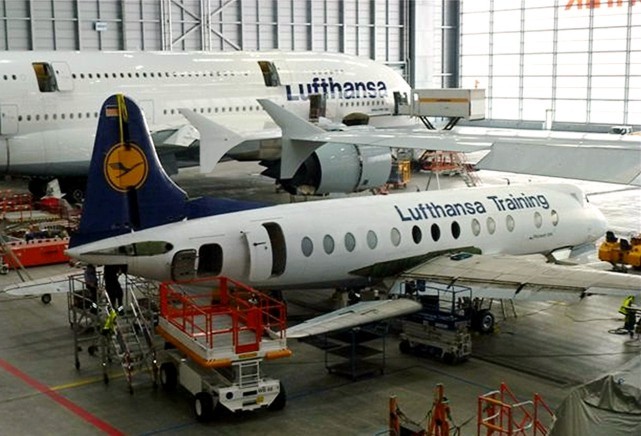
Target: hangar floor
548,348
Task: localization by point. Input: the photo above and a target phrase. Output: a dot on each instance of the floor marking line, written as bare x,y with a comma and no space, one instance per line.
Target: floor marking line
64,402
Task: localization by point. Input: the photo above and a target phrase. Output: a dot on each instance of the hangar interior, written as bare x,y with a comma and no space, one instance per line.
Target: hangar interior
567,65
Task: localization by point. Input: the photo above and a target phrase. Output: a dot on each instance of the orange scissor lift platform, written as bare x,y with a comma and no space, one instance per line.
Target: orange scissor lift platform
221,336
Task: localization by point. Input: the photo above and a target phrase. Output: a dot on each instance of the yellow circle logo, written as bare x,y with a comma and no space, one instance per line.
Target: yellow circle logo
125,167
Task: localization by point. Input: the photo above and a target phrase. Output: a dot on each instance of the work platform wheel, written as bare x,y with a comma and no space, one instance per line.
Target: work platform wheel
483,321
168,376
203,406
46,298
281,399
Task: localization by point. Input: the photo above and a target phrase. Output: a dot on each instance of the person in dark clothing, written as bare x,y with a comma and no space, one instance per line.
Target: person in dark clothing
112,285
91,282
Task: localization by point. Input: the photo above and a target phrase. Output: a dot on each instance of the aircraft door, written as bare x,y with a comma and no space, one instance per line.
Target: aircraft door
8,119
260,254
183,265
63,76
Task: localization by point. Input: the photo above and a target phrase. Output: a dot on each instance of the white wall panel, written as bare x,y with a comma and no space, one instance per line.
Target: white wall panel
370,28
583,59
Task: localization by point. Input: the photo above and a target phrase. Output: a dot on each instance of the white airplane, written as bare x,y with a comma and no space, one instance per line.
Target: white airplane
135,216
48,100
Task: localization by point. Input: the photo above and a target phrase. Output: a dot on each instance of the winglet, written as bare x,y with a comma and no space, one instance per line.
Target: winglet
215,139
298,141
127,188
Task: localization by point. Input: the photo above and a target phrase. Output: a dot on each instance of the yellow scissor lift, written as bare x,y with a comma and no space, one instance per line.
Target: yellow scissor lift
220,339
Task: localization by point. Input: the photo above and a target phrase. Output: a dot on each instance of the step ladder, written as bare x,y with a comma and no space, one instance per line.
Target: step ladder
130,338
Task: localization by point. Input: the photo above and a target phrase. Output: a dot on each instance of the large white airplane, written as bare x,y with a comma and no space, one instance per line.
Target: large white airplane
48,117
135,216
48,100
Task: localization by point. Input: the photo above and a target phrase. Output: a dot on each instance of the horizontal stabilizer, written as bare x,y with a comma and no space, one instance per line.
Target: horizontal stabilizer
215,139
351,316
608,164
520,277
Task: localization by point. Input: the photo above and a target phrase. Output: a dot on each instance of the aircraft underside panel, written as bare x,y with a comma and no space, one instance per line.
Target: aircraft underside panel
4,157
260,254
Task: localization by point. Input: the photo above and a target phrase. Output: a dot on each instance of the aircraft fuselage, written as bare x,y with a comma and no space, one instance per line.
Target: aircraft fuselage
49,100
340,242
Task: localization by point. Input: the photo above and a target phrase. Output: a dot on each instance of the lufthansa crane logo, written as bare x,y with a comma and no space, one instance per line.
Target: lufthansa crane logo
125,167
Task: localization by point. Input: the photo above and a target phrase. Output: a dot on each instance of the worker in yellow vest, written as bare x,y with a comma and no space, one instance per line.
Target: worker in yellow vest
629,314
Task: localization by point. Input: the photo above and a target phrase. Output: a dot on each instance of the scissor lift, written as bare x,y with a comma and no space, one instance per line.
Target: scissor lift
220,339
441,328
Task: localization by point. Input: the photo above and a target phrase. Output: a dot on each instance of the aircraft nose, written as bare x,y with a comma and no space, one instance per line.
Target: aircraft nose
598,224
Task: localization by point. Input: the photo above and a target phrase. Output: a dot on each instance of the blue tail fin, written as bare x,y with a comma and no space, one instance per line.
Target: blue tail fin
127,188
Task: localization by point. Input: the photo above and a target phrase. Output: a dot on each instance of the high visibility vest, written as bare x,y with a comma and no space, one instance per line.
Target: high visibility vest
623,310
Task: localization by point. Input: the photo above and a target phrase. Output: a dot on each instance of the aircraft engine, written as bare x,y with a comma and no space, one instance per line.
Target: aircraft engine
337,168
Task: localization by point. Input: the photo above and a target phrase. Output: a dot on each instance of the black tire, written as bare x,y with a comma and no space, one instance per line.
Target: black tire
203,406
405,347
484,321
168,376
38,187
449,358
46,298
281,399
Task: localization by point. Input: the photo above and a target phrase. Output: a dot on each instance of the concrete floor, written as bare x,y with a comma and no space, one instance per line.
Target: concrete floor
548,348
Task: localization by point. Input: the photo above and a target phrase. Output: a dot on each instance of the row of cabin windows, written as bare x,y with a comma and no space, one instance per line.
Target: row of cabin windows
362,103
307,245
210,110
62,116
159,75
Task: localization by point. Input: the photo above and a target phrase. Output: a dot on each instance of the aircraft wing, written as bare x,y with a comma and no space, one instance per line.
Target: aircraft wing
523,277
594,162
351,316
47,285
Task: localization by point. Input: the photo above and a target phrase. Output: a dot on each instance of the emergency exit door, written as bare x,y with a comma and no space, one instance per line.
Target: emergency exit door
8,119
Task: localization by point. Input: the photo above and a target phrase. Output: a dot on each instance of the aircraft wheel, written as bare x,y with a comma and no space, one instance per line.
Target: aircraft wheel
280,400
168,376
203,406
46,298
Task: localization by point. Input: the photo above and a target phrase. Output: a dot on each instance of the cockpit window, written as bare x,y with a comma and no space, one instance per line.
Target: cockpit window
146,248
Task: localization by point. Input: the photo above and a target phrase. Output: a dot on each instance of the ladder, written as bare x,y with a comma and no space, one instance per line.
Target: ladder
448,162
130,338
500,413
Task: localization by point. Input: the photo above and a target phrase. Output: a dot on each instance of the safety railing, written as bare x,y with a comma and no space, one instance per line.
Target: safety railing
227,308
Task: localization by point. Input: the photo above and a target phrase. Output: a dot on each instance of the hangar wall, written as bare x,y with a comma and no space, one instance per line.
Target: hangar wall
572,64
372,28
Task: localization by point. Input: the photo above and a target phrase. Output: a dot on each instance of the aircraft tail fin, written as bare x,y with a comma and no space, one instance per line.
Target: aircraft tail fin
127,188
299,137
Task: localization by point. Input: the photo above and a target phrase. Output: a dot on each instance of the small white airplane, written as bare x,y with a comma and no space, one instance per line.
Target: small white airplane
48,100
135,216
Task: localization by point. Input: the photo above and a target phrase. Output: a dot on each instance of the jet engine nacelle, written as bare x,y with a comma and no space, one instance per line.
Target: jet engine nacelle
340,168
